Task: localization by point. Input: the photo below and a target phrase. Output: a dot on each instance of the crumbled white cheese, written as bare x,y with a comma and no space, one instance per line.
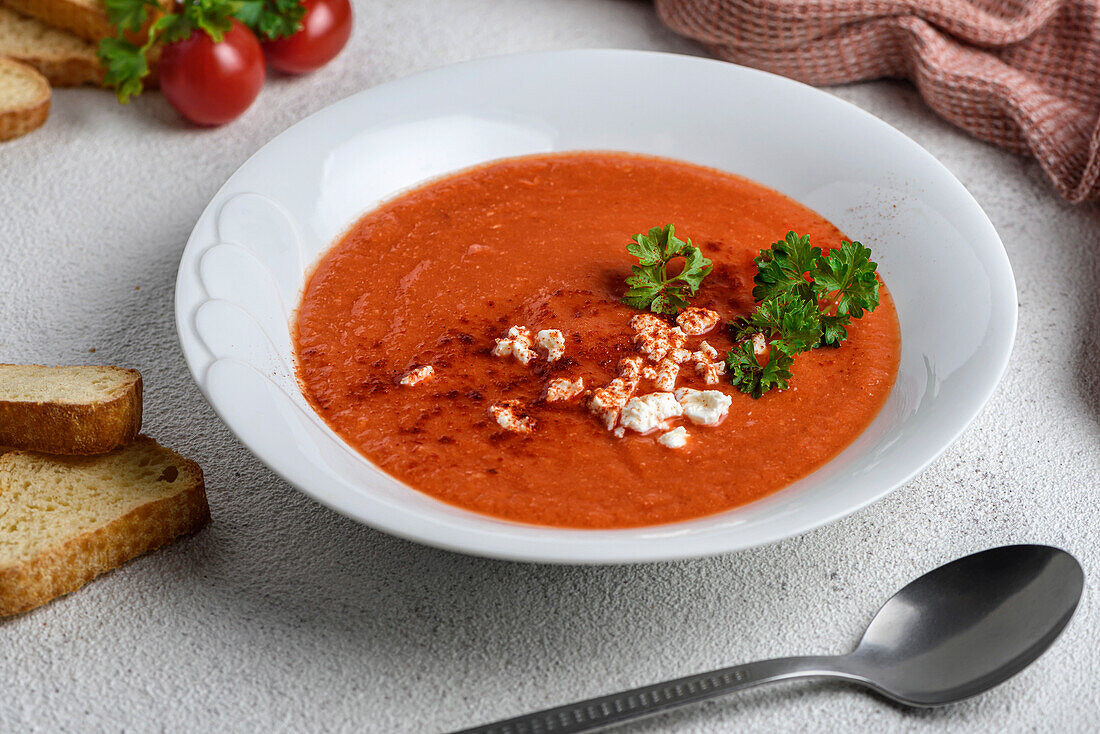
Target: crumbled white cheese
644,321
509,416
706,365
607,402
648,412
697,321
649,373
665,375
679,356
553,341
561,389
654,337
619,432
516,343
711,371
677,438
703,407
630,367
759,344
418,375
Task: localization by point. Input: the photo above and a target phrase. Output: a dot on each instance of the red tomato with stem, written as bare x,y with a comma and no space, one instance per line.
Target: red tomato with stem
212,83
325,29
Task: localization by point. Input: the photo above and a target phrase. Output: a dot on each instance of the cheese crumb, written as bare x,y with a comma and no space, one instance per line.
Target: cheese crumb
630,367
644,321
711,371
649,412
516,343
703,407
553,341
759,344
509,415
706,365
677,438
679,356
607,402
654,337
665,375
418,375
697,321
561,389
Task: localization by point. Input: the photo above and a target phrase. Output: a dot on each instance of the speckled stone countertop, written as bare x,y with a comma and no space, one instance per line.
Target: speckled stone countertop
284,616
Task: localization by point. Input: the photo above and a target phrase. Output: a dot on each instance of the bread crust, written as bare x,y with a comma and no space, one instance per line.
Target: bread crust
76,71
18,122
66,72
73,429
80,559
88,22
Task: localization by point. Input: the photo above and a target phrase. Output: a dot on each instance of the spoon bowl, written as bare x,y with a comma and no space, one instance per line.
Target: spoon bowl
969,625
953,633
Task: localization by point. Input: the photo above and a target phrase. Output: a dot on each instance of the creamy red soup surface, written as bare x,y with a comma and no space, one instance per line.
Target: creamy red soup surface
439,276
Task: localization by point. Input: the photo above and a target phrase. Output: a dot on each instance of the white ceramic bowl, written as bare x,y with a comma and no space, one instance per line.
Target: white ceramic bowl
244,265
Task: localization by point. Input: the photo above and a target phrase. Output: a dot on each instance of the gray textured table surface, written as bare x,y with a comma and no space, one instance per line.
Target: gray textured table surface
284,616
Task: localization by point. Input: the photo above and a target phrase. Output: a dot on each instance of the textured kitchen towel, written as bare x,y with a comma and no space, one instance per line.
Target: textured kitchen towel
1024,74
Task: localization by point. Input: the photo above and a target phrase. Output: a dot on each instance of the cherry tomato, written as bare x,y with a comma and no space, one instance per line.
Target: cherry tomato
213,83
325,29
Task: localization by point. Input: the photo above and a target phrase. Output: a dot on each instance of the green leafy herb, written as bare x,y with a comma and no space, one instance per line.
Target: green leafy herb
795,321
847,276
129,15
805,300
127,63
272,18
781,270
126,66
749,376
651,287
834,330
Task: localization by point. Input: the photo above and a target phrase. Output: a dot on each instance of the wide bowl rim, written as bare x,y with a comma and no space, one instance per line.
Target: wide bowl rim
559,545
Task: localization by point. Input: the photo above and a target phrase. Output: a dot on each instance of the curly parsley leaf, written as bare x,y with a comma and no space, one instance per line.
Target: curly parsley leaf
272,18
805,300
126,67
749,376
650,286
126,64
213,16
834,330
791,319
847,276
781,270
129,16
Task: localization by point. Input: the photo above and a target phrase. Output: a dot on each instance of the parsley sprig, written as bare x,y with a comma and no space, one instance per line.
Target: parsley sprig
272,18
805,300
127,62
651,287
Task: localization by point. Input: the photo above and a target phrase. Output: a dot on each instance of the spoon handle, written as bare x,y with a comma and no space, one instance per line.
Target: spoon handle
637,703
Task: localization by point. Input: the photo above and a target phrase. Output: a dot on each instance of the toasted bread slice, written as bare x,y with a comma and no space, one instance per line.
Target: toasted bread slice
64,519
64,59
84,18
24,99
68,410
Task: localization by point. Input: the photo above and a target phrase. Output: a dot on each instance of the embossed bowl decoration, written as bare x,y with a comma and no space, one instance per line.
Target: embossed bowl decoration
245,264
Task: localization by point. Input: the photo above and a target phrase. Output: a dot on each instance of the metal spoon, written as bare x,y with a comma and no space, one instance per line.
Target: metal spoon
953,633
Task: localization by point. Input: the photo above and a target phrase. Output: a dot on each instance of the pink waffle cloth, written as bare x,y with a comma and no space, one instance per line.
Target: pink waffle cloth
1022,74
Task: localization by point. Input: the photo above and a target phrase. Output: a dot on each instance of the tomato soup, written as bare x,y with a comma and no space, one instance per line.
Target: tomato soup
436,277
